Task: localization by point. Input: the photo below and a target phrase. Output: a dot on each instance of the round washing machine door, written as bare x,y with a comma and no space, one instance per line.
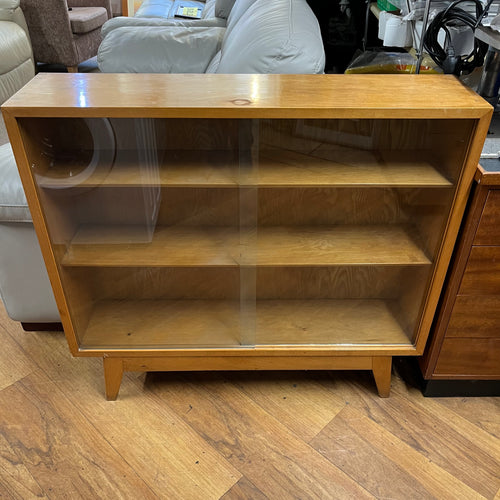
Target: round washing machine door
79,150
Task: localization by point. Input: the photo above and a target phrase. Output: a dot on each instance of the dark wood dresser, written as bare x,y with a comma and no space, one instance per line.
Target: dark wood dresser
463,353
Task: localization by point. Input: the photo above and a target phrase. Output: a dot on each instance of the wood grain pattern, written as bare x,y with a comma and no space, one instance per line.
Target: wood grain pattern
17,482
453,435
119,246
469,358
355,205
162,324
382,373
447,448
14,364
338,282
452,227
190,422
242,490
278,167
482,274
475,316
228,96
488,231
45,432
153,283
478,417
357,456
438,482
478,197
346,168
113,374
261,447
300,403
184,464
197,168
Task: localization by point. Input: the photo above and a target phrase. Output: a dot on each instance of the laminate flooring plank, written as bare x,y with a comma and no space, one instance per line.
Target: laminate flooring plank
458,417
481,412
63,452
14,364
293,398
438,482
244,490
278,463
16,482
454,422
167,454
341,443
429,434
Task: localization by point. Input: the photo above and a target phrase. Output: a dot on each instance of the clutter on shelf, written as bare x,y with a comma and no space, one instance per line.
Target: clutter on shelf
376,61
448,36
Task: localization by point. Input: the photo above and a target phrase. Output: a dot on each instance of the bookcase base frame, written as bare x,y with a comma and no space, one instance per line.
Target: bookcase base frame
115,366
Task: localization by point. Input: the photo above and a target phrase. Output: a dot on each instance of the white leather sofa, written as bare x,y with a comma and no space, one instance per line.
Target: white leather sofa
259,36
24,285
161,13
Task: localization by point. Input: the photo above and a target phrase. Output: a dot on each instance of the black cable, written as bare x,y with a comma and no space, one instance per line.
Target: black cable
446,58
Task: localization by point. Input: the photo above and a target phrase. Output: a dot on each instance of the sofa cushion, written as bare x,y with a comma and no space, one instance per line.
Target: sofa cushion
13,204
223,8
283,39
14,46
9,4
7,8
155,8
143,49
85,19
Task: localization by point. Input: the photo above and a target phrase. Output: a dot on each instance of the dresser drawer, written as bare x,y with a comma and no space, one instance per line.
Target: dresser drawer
482,274
488,231
469,358
475,316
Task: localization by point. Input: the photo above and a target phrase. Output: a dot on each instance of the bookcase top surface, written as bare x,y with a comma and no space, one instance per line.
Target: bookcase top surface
246,96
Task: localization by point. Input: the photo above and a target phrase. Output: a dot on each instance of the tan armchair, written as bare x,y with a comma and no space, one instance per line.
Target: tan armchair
65,32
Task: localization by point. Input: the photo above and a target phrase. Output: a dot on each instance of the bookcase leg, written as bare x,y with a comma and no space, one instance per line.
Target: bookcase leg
113,373
381,367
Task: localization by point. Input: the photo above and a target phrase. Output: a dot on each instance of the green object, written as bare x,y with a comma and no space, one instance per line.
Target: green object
385,5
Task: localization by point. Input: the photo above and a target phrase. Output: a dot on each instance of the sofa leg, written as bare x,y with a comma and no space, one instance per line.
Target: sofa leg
42,327
72,69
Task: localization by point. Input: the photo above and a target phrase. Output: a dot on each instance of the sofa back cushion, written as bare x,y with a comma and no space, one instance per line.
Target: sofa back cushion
282,36
223,8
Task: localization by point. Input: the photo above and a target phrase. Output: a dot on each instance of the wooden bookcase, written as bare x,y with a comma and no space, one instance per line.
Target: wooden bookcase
241,222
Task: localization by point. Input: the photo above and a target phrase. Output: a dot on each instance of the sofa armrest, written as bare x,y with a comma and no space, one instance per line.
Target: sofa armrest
129,22
155,49
92,3
9,4
16,60
7,8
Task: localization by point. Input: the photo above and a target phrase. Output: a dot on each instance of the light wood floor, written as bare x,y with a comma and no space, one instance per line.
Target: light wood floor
231,435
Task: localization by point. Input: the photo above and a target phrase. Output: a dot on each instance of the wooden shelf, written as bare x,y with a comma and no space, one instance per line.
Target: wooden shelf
351,168
162,323
194,168
120,246
275,168
340,322
144,324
